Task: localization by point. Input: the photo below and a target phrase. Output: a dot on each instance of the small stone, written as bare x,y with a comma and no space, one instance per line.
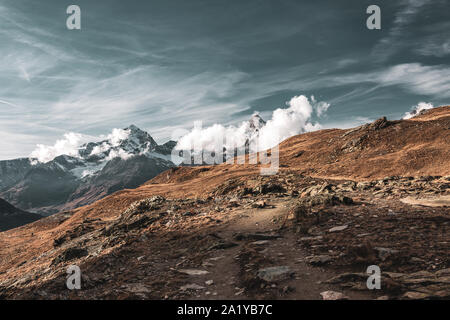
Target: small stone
306,239
209,282
193,272
259,204
216,258
339,228
319,260
361,235
136,288
333,295
415,295
275,273
191,286
240,292
260,243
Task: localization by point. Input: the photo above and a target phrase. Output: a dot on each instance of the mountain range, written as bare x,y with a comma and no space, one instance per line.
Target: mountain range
99,169
124,160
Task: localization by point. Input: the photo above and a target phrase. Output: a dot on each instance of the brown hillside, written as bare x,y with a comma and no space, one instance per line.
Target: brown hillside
415,147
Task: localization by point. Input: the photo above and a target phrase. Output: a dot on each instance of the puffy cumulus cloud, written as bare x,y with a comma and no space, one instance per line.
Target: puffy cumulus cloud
415,110
287,122
291,121
116,136
69,145
214,137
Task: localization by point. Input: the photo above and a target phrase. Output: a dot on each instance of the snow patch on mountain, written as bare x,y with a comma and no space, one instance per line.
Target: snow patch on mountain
87,169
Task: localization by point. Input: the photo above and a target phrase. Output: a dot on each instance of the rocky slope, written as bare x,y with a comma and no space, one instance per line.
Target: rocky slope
342,200
11,217
100,168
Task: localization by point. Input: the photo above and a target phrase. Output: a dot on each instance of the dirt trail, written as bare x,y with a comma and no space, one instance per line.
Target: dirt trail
223,267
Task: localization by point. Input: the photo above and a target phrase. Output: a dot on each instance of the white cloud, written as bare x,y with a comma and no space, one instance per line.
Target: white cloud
321,107
415,110
430,80
294,119
414,77
69,145
118,154
117,135
288,122
100,149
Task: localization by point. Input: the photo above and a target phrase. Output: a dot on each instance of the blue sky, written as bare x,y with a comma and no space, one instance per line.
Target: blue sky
163,64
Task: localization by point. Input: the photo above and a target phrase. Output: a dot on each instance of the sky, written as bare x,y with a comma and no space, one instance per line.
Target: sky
163,64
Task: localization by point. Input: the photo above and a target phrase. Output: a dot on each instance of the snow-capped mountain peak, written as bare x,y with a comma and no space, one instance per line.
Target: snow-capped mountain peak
256,122
123,143
253,126
84,173
138,140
